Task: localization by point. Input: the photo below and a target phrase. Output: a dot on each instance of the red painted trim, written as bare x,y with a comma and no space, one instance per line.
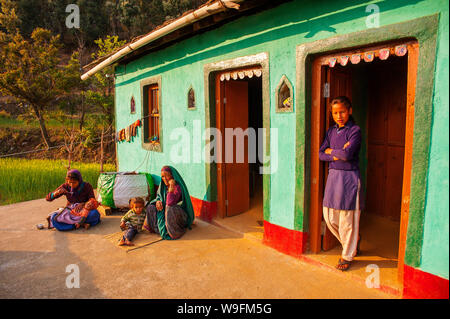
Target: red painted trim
287,241
418,284
203,209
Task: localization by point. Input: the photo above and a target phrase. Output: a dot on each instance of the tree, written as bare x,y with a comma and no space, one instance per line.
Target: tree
30,69
137,17
173,8
103,81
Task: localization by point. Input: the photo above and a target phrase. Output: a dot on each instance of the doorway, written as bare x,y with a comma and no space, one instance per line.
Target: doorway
379,90
239,109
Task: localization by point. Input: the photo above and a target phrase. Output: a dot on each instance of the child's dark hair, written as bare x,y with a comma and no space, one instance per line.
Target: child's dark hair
136,200
344,101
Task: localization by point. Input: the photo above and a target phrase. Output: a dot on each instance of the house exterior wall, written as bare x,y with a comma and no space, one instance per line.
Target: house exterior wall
278,32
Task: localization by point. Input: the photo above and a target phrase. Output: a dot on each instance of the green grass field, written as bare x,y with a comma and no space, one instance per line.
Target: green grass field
10,122
22,179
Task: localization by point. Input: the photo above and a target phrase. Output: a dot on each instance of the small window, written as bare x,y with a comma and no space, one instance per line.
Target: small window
152,120
191,99
284,96
152,138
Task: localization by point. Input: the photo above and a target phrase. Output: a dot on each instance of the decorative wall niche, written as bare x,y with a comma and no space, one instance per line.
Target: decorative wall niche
284,96
191,99
132,105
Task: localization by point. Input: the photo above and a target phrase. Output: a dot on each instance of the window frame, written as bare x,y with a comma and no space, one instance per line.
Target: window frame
145,85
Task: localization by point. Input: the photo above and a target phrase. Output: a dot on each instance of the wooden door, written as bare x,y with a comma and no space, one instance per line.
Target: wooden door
386,138
233,178
340,83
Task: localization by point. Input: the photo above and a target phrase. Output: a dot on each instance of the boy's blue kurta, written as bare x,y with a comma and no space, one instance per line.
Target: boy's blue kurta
341,188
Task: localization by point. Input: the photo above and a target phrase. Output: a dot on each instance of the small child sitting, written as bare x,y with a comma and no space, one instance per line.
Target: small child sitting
132,221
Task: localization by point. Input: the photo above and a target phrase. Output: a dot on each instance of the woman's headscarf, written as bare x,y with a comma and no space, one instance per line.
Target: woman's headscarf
75,174
166,169
186,198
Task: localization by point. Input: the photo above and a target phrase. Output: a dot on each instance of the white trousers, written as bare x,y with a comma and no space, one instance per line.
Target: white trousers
344,225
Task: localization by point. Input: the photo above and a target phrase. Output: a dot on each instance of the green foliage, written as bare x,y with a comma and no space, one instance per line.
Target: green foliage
124,18
173,8
104,80
94,19
100,96
52,15
107,45
9,19
25,122
23,179
30,70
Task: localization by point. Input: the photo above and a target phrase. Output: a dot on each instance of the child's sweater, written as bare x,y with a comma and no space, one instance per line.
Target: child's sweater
135,220
336,139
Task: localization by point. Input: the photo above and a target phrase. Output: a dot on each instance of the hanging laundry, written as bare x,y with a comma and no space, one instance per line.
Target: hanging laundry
127,133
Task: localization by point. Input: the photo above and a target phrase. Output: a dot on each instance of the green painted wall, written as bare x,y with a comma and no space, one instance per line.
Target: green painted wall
435,242
278,32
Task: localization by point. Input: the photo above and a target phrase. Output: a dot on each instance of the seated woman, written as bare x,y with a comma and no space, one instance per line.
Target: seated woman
171,212
81,207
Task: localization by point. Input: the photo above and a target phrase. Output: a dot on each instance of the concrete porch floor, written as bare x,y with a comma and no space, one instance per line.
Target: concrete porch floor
248,224
379,245
207,262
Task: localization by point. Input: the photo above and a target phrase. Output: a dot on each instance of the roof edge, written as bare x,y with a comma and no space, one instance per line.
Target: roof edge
187,19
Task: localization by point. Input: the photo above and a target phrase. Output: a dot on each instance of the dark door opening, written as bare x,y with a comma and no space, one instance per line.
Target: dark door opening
378,94
239,185
382,91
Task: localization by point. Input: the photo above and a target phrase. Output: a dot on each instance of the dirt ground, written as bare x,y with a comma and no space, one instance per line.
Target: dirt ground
207,262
